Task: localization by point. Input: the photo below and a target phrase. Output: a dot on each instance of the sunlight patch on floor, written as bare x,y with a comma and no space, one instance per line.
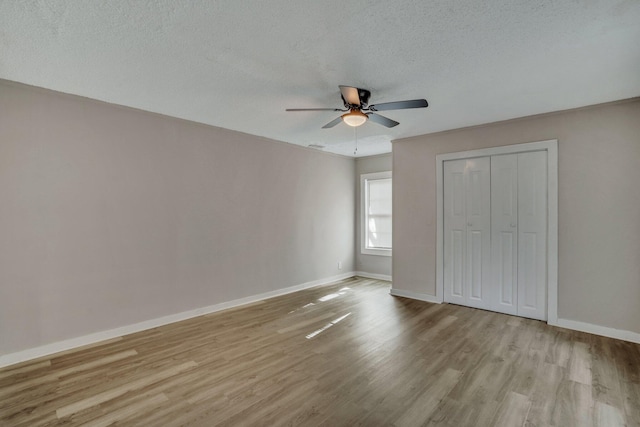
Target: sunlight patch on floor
327,326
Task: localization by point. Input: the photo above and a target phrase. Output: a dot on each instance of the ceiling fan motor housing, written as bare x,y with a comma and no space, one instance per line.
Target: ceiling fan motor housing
364,96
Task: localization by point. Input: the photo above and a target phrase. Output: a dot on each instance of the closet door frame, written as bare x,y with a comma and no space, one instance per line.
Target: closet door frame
551,147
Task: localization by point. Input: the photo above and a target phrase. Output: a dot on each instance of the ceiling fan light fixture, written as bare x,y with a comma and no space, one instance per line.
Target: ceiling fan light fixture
354,118
355,100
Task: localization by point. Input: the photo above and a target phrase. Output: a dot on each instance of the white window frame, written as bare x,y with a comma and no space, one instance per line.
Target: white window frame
364,220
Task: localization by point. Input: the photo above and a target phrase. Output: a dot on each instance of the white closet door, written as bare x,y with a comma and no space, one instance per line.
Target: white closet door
467,222
504,232
495,227
455,220
480,292
532,232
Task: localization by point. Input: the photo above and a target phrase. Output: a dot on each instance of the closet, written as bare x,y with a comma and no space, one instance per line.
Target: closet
495,229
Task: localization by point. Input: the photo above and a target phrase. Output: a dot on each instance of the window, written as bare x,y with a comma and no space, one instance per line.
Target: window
375,192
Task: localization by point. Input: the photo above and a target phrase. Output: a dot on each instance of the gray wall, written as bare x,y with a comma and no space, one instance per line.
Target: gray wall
374,264
111,216
599,207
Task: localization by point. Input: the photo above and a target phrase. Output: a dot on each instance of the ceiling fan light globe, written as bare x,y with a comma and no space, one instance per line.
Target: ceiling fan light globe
354,118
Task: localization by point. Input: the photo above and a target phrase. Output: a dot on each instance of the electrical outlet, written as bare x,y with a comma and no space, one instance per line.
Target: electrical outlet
339,265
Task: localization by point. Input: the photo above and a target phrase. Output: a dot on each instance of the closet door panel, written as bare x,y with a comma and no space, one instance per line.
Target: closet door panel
457,266
478,236
504,231
532,232
455,231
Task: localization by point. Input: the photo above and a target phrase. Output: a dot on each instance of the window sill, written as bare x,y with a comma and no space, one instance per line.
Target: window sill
378,252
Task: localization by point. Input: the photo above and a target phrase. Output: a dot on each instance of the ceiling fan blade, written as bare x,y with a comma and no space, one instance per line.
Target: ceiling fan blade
332,123
314,109
350,95
382,120
400,105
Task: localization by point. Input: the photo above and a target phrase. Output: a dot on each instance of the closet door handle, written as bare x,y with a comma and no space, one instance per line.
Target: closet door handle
513,224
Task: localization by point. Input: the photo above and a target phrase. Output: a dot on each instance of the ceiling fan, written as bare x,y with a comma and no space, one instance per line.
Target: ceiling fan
358,110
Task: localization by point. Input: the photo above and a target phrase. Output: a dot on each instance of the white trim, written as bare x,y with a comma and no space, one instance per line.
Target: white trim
504,149
552,231
376,175
375,276
604,331
363,213
414,295
376,251
551,147
439,229
48,349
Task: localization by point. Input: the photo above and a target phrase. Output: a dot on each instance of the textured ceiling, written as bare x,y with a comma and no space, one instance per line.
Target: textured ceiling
239,64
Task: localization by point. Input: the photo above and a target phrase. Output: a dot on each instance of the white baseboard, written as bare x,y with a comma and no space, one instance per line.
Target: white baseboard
604,331
414,295
48,349
373,276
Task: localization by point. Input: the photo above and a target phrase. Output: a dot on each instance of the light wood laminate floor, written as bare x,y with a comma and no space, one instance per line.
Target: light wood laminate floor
339,355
